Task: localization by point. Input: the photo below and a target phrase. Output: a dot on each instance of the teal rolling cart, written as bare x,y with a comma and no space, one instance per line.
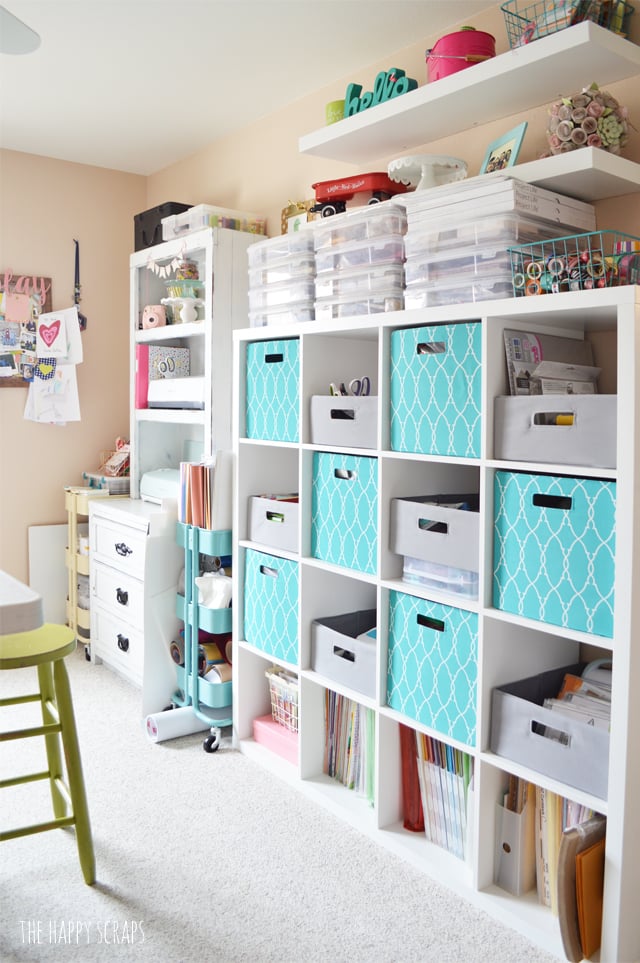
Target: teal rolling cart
211,701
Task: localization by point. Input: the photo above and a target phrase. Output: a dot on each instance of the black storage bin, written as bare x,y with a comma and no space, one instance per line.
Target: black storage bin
148,224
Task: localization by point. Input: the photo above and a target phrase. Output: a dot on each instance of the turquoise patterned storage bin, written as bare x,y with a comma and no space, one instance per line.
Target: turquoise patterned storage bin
554,549
344,510
273,390
433,665
435,390
271,605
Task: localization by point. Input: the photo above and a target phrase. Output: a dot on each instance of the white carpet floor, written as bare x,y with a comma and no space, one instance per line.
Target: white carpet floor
210,858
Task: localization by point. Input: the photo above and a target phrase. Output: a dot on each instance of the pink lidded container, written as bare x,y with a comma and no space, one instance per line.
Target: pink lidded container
455,51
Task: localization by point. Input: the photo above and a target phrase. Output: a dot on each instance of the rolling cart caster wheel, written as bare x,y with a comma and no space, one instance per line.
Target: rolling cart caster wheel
212,742
87,653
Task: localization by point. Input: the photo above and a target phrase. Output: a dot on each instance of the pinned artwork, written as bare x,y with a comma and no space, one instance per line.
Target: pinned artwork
23,299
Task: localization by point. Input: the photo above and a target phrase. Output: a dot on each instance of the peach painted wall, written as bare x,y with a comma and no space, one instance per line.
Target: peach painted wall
260,168
44,205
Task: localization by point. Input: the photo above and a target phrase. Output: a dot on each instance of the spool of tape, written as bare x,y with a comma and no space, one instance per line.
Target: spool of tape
208,654
555,266
176,649
535,269
221,672
533,288
172,724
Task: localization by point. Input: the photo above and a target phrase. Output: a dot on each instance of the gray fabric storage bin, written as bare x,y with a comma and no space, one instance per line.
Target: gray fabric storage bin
582,762
339,655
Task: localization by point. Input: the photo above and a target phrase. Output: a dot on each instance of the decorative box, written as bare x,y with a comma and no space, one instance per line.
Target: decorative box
554,549
435,390
344,510
433,665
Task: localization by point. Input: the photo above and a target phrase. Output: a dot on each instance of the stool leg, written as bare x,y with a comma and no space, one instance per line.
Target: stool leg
52,741
74,772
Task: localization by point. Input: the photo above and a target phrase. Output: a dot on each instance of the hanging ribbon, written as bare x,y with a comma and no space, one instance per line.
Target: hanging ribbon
76,288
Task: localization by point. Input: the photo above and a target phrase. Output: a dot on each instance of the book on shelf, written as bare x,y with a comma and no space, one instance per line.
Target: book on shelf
205,498
444,774
154,362
349,744
580,887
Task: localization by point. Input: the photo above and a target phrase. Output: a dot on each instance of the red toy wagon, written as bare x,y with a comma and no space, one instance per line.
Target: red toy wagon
332,196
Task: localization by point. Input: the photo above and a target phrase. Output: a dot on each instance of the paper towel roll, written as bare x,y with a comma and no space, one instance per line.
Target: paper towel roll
173,723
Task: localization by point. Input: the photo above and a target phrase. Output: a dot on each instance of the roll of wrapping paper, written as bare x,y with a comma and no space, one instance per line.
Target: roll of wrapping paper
176,649
208,655
173,723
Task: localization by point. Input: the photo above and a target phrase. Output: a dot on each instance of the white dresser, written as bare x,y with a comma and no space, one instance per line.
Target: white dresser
134,570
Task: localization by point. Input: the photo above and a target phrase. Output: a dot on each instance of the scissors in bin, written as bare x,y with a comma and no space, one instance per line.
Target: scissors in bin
360,386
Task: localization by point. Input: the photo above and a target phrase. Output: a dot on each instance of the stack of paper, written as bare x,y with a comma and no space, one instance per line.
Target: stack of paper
205,498
585,699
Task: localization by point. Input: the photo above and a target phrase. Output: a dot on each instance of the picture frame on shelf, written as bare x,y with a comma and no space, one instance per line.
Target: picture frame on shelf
503,152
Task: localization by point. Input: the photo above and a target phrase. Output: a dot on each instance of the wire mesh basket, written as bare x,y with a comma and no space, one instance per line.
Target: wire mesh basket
530,21
578,262
283,687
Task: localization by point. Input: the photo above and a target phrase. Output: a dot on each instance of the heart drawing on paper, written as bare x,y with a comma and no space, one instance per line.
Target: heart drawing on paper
49,332
45,369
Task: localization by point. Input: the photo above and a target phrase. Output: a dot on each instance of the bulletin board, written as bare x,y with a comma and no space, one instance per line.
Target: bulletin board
23,297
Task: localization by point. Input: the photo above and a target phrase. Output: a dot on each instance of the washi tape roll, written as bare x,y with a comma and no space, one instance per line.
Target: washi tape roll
556,266
221,672
208,655
535,269
595,266
519,281
533,287
177,652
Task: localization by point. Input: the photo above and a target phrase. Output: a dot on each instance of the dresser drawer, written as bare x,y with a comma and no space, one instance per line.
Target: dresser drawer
119,545
118,643
119,592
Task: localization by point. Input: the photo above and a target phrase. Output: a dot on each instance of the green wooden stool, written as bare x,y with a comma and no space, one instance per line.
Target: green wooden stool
46,648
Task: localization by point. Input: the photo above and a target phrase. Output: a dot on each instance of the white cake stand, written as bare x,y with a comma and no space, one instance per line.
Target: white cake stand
422,171
188,307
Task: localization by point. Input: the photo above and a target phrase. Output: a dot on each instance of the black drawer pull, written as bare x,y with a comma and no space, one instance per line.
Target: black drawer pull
122,597
563,502
123,549
431,347
123,643
428,622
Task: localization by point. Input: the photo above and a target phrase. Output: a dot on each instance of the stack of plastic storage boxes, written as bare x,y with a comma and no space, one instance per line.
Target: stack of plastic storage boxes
458,236
281,279
359,261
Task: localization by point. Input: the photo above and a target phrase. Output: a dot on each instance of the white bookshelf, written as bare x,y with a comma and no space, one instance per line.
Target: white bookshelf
510,647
